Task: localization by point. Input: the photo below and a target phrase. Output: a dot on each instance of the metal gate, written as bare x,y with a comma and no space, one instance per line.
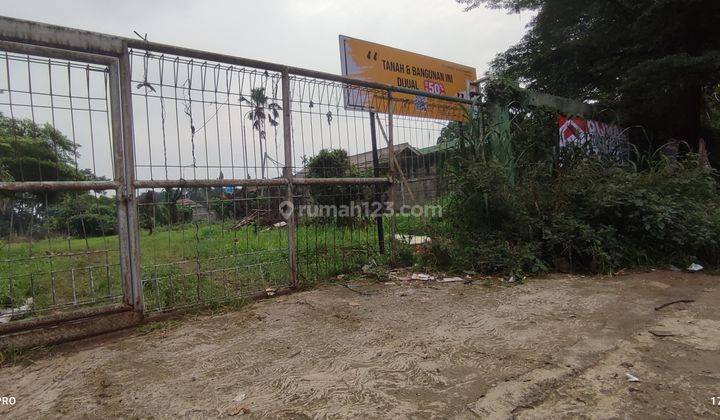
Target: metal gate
205,161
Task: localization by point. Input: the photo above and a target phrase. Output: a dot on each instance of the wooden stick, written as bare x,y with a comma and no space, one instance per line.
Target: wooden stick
665,305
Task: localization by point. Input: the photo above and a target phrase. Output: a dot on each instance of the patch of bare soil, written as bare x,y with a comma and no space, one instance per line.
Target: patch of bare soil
558,347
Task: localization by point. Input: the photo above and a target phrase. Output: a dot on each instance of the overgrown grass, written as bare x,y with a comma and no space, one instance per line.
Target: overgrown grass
181,265
585,214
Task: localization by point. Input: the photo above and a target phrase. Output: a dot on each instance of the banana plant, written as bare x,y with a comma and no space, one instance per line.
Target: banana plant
262,111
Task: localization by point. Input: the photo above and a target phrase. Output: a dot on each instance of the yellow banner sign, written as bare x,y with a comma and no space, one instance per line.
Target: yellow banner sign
378,63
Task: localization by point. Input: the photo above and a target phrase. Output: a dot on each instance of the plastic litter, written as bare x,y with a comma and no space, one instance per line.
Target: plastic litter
695,267
632,378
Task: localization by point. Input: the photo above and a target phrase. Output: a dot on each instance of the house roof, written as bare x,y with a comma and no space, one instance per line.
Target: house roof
365,160
437,147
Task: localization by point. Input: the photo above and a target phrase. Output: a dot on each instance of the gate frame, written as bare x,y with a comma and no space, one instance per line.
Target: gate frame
121,180
54,41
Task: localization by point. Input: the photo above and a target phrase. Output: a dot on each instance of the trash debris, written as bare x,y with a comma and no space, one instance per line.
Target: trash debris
240,397
422,277
511,279
248,220
632,378
270,291
280,224
451,280
694,268
413,240
6,315
665,305
370,267
389,283
661,334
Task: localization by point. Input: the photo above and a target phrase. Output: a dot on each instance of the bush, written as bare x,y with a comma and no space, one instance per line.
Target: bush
335,164
84,215
588,214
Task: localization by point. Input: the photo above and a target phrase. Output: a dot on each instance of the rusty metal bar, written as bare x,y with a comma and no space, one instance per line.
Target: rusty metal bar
63,331
119,167
295,71
376,173
59,185
276,182
128,192
288,173
393,189
55,36
341,181
28,324
38,50
200,183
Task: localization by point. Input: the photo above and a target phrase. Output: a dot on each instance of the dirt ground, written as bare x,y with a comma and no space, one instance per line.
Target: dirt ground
558,347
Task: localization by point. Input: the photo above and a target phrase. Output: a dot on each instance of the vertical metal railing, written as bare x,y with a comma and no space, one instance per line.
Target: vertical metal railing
62,277
186,136
288,174
128,196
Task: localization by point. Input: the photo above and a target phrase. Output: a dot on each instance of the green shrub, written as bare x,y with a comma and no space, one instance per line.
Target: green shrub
334,163
588,214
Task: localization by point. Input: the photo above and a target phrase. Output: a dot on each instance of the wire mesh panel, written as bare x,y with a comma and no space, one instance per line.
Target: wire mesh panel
196,119
226,170
58,244
218,125
333,142
196,250
421,144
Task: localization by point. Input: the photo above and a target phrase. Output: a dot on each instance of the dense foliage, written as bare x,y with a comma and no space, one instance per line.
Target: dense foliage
656,63
31,152
335,164
570,210
83,215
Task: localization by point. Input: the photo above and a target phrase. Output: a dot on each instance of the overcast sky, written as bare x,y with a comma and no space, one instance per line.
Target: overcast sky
301,33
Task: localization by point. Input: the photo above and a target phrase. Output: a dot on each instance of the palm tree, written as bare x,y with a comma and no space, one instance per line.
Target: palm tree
260,112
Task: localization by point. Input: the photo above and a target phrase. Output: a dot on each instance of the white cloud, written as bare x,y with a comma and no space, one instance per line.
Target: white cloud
296,32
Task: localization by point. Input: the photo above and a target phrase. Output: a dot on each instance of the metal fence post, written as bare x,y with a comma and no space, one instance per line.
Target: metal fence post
393,192
119,175
377,191
128,195
288,174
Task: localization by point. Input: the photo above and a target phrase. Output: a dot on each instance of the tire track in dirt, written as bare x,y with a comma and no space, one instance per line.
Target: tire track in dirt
407,351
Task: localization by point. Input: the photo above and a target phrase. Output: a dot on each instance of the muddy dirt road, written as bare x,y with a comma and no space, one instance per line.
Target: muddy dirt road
552,348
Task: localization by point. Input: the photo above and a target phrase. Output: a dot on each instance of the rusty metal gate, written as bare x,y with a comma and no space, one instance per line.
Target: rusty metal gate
146,177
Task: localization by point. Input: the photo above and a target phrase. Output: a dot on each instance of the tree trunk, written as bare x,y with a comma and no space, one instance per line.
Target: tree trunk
690,123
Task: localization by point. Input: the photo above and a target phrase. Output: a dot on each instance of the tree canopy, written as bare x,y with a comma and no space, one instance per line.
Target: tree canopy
30,152
655,62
